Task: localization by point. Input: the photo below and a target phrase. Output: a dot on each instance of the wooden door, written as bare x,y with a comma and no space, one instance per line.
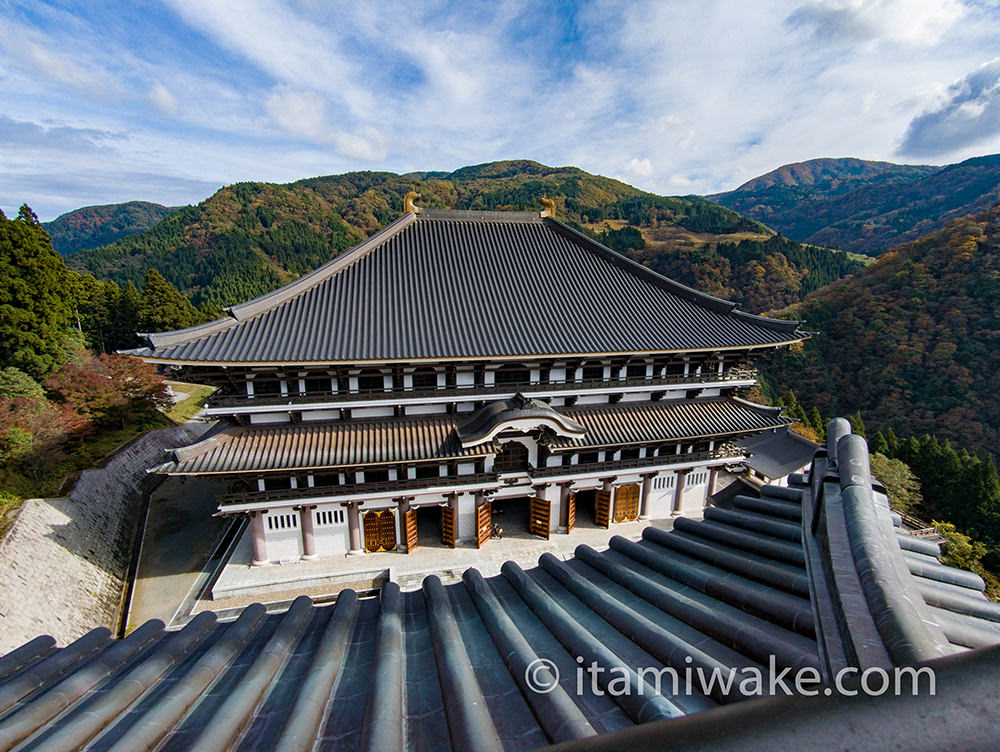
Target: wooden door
448,526
571,512
626,503
539,517
380,530
410,521
484,524
602,509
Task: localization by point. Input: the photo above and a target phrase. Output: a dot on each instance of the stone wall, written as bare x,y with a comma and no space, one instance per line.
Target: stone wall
64,562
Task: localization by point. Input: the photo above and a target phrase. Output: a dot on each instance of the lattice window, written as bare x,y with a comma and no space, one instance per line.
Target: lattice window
327,517
282,521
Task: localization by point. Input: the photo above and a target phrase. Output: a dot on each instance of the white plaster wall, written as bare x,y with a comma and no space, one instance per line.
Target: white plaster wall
269,418
372,412
552,494
466,517
635,397
694,491
283,544
425,409
308,415
331,540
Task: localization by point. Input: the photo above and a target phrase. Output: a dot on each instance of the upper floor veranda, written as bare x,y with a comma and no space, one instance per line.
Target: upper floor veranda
459,386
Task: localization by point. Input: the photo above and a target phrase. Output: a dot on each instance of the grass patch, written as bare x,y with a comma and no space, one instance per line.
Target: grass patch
866,260
189,406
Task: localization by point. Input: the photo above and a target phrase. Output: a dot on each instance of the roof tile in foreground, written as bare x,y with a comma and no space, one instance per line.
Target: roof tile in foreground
454,284
306,445
457,666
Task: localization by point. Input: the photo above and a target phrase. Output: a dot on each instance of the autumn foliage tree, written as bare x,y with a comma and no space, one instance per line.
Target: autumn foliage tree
108,388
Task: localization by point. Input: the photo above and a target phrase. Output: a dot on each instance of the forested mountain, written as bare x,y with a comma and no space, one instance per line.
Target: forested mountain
249,238
94,226
913,341
867,207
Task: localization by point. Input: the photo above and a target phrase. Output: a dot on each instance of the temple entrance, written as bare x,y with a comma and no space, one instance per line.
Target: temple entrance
431,528
379,530
585,506
522,517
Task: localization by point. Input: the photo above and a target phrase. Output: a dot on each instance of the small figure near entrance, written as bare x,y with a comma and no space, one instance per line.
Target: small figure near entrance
497,531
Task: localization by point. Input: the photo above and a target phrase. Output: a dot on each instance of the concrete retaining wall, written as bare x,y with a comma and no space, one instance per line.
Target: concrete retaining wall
64,562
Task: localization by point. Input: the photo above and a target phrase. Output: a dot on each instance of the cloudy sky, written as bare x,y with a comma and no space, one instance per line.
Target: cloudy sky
168,100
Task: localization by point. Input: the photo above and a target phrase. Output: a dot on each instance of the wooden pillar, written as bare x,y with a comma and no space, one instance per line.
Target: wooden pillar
606,484
564,493
679,491
713,479
259,541
401,510
647,487
354,528
308,532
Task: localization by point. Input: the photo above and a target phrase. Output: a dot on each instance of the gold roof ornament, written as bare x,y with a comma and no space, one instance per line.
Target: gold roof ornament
408,202
550,208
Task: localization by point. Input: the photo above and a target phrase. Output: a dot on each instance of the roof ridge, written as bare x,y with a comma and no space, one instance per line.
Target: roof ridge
477,215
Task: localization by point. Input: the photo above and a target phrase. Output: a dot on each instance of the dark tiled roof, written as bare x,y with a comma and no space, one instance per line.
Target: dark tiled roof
388,440
470,284
667,420
449,667
322,445
775,454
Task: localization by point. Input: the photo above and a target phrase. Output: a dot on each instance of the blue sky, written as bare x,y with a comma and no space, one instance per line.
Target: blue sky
168,101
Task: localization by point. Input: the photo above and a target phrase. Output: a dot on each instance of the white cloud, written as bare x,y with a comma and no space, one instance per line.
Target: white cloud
968,114
639,167
163,99
31,50
910,22
676,96
298,112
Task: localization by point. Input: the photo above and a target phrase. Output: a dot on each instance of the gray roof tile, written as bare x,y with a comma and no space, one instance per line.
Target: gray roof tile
449,666
470,285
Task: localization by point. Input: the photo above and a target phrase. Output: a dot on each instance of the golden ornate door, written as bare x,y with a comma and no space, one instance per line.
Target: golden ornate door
626,503
380,530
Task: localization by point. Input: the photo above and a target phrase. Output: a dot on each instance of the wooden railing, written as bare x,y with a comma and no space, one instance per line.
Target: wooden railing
353,489
358,395
486,479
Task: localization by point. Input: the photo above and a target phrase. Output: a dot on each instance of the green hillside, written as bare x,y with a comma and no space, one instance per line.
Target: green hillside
862,206
94,226
913,341
249,238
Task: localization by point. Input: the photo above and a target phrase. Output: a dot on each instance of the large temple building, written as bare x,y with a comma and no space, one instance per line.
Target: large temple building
464,373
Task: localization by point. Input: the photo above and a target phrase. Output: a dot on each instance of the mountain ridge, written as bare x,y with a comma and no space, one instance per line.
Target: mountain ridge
93,226
913,341
249,238
865,207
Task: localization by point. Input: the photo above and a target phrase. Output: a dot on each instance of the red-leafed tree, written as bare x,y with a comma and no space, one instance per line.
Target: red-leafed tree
109,388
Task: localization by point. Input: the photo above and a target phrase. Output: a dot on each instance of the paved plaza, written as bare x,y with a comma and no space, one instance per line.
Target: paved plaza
186,557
